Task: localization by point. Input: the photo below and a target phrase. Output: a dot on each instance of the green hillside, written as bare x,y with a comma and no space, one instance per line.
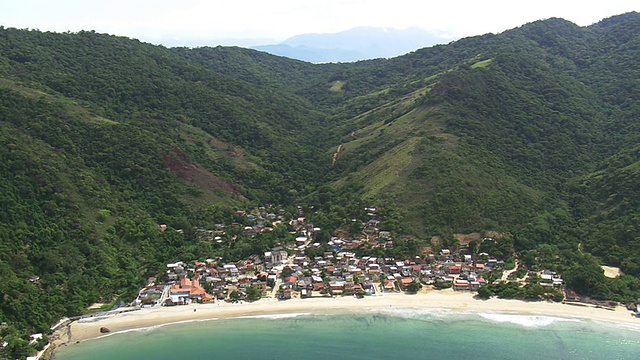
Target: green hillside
532,132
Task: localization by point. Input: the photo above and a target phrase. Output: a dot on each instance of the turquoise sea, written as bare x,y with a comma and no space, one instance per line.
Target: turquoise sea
383,334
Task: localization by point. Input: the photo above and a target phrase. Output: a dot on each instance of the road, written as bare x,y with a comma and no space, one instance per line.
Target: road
164,296
506,273
276,287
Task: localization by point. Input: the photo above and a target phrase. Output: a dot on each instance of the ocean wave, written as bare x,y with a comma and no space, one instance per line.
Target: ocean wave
417,314
138,330
272,316
525,320
153,327
619,325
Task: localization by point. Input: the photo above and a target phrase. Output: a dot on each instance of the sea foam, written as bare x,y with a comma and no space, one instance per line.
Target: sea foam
153,327
530,321
272,316
416,314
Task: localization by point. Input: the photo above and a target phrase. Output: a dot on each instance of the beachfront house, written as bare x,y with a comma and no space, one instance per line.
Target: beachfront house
461,284
337,286
179,293
389,284
187,291
285,294
406,282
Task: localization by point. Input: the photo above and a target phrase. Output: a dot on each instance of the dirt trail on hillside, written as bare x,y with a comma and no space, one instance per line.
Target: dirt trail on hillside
335,155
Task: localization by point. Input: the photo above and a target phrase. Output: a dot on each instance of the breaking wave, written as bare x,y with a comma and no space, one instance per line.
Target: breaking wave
530,321
273,316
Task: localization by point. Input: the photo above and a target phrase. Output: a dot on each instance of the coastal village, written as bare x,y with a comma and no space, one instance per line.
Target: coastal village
300,268
289,271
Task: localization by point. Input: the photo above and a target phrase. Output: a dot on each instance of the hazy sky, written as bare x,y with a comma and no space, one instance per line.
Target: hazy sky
171,22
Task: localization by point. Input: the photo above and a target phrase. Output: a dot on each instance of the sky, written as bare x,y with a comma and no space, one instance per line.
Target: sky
259,22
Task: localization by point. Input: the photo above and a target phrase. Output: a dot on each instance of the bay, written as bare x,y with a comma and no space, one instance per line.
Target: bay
379,334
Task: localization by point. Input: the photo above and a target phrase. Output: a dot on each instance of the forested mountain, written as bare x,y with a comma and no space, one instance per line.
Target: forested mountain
532,132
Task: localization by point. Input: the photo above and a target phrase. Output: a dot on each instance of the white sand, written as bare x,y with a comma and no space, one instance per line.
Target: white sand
447,299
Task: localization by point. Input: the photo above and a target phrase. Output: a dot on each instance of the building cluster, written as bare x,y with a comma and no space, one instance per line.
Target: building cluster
284,274
252,222
288,271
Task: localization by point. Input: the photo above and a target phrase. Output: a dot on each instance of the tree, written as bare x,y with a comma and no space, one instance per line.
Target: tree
323,236
484,292
253,293
414,287
533,291
287,271
439,285
234,296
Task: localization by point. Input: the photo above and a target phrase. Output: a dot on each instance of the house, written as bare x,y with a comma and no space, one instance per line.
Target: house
474,285
34,338
461,284
548,278
369,288
285,294
187,291
179,293
304,293
349,288
405,281
454,269
389,285
231,270
358,290
290,280
318,286
373,269
337,286
171,276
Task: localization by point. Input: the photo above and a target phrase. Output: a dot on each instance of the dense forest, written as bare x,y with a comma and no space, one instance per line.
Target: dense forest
532,132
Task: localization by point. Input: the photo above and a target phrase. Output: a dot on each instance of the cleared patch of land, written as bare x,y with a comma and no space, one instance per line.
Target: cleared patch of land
96,306
611,272
337,85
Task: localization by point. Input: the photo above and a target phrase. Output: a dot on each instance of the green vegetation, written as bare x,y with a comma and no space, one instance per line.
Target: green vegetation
253,293
414,287
531,133
481,64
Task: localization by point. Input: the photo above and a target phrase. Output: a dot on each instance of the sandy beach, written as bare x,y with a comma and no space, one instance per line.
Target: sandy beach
85,329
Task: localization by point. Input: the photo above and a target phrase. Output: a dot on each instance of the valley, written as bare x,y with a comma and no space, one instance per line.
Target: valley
532,133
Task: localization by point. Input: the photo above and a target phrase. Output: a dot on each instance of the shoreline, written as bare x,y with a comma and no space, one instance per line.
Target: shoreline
89,328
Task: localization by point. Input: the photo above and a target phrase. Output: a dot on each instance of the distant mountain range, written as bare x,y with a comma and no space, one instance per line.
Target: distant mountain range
360,43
